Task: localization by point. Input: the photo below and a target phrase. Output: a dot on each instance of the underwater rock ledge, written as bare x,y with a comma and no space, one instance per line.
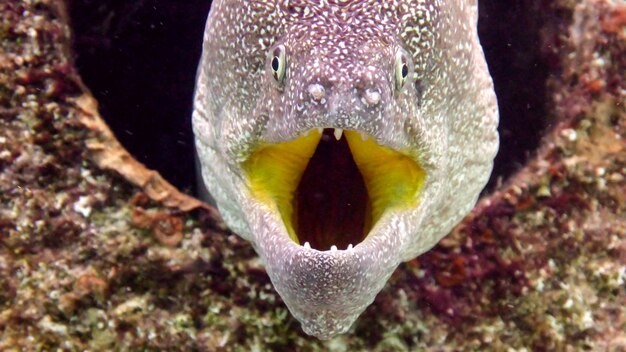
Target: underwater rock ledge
100,253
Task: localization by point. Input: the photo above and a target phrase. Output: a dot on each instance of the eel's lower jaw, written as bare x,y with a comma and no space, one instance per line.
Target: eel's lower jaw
330,186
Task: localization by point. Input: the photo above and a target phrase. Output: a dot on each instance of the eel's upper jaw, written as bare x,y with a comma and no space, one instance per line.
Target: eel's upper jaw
330,187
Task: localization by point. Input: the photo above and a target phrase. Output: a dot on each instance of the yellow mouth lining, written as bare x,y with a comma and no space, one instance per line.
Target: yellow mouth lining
392,179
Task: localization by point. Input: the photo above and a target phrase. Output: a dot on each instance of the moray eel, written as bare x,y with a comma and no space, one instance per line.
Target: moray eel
341,138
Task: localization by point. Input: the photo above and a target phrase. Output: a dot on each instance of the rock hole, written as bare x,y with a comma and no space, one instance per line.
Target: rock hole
139,60
513,37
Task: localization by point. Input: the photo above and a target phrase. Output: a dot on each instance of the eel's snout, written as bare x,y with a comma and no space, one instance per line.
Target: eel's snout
366,98
331,95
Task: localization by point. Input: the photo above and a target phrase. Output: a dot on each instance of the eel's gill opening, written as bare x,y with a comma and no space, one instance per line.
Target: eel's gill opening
331,202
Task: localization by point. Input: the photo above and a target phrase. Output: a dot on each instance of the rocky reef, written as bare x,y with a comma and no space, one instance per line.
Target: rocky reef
97,252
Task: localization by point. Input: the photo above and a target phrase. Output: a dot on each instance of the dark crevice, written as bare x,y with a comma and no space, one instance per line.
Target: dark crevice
139,59
510,33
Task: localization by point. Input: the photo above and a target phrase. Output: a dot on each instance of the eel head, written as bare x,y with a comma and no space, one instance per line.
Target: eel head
337,153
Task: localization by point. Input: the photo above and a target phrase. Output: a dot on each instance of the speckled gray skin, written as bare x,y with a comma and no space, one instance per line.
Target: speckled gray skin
445,116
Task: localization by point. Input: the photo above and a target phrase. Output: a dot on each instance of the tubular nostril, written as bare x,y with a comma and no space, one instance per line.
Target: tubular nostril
317,91
371,97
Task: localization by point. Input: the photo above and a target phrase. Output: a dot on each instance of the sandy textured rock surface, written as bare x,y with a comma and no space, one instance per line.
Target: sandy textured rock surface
99,253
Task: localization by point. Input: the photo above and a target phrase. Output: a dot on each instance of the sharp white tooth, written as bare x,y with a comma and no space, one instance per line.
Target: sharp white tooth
320,130
333,248
307,245
350,246
338,133
364,136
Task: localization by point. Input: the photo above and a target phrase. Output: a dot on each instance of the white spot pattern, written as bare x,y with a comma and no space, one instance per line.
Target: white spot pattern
340,74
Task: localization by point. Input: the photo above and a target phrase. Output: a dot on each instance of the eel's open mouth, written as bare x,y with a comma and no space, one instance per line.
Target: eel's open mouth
331,187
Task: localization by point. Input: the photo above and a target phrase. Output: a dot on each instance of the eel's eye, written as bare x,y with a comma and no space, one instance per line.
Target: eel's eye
402,69
277,63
